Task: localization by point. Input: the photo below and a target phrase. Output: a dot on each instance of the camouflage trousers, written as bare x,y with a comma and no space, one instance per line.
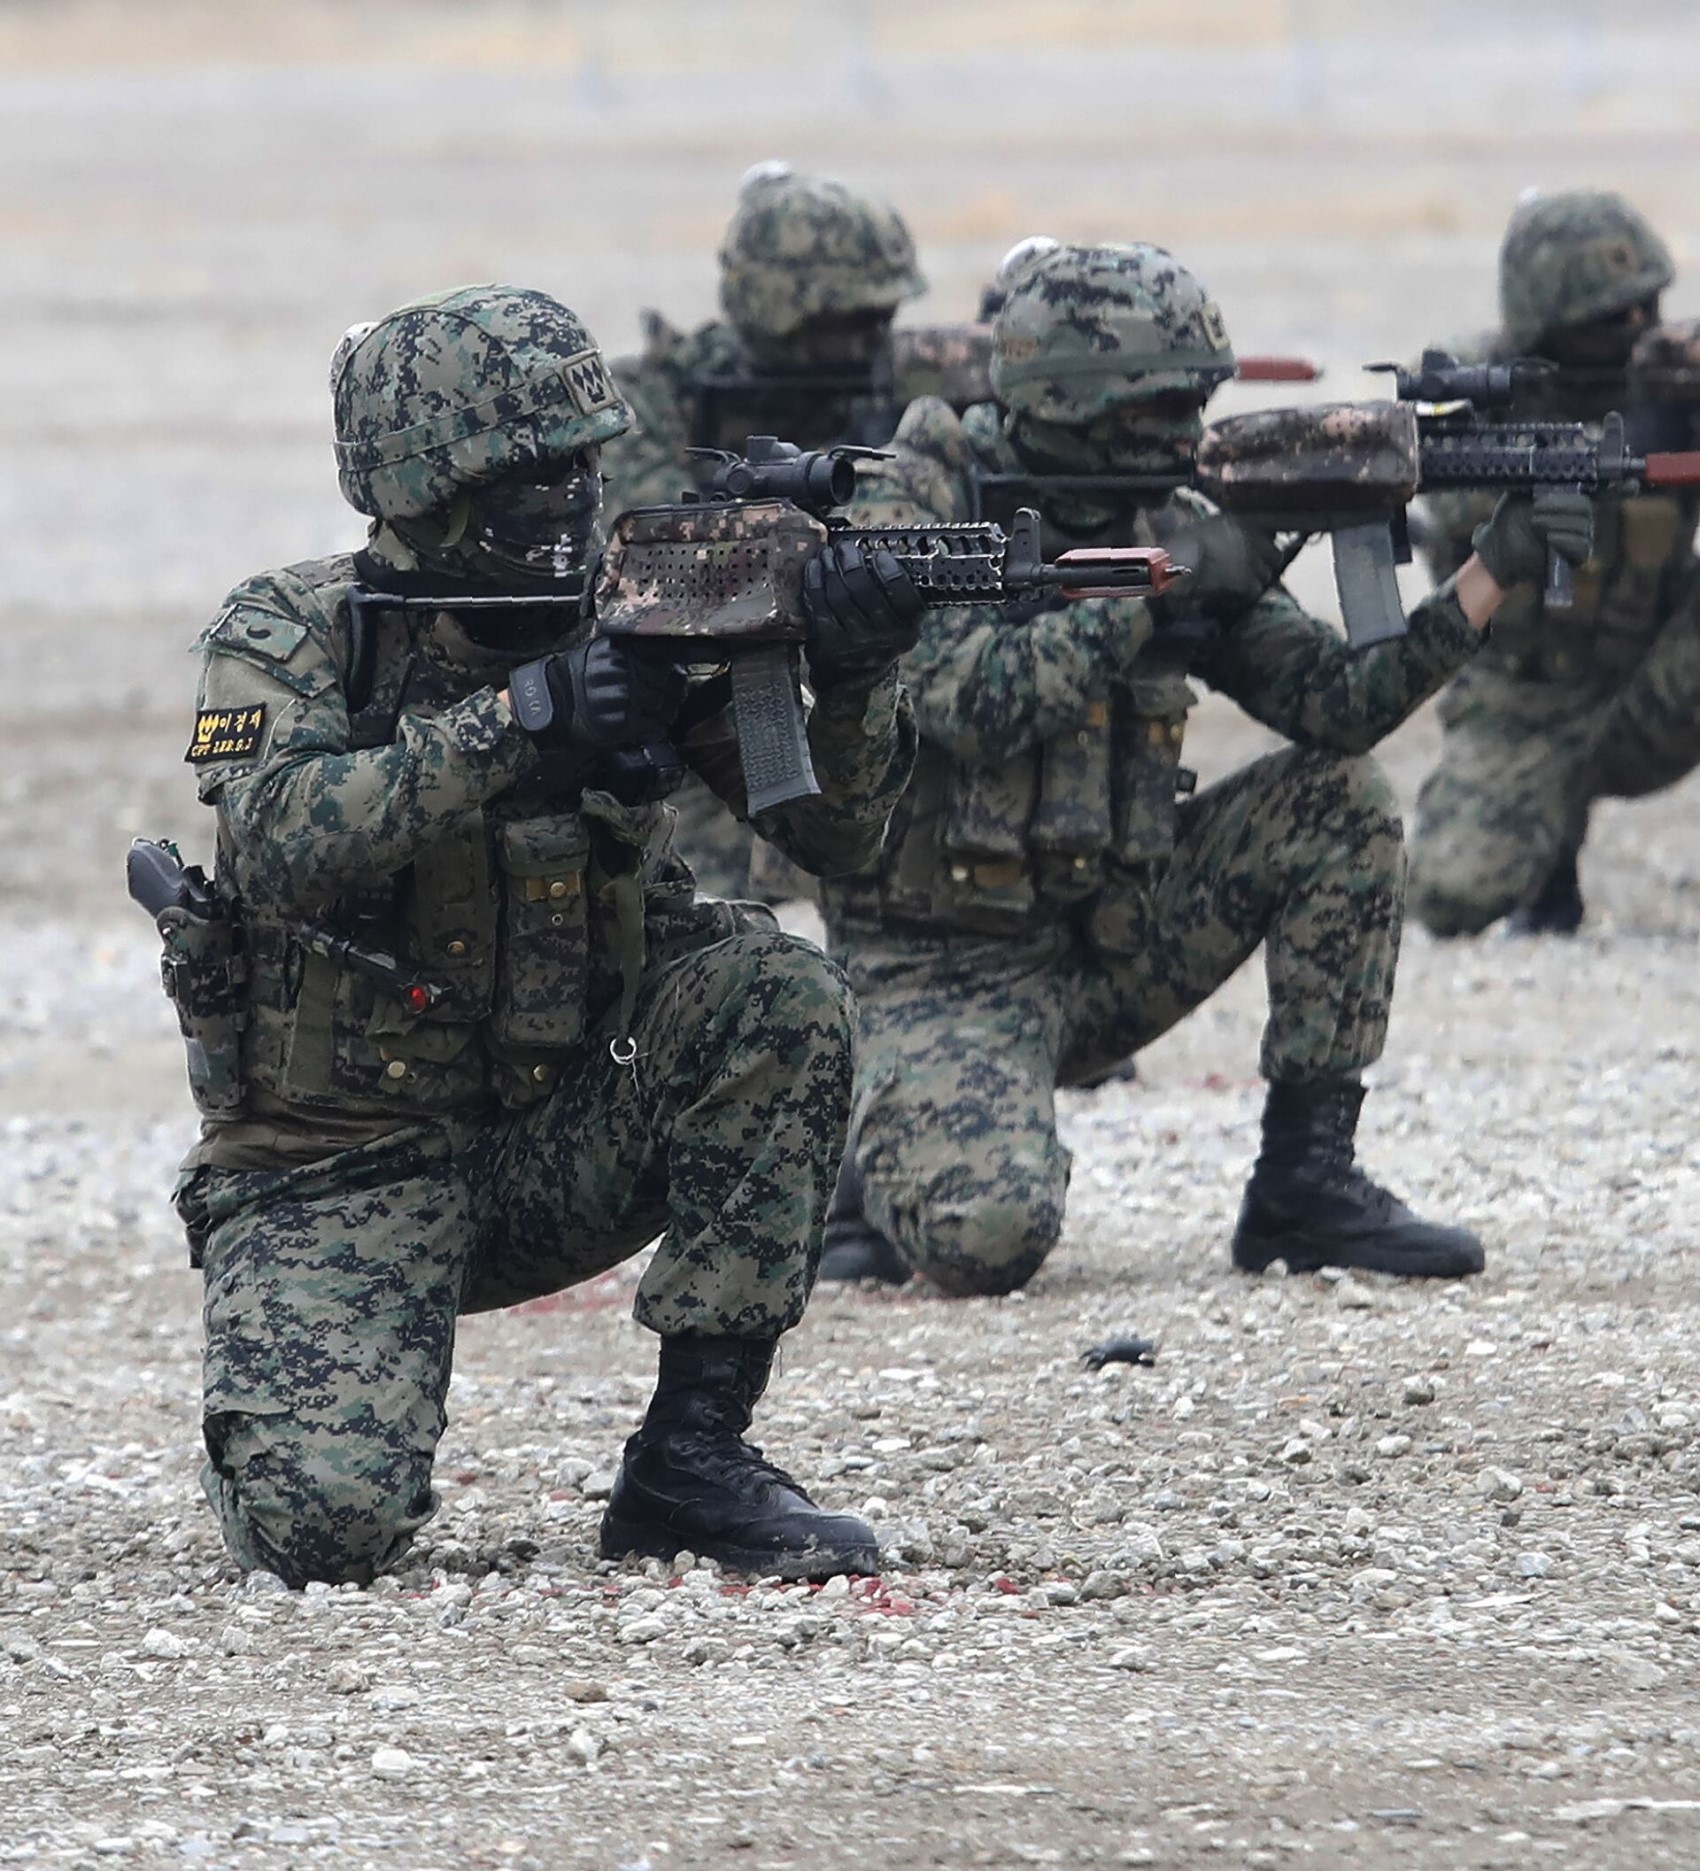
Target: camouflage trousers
332,1289
1522,763
964,1039
726,857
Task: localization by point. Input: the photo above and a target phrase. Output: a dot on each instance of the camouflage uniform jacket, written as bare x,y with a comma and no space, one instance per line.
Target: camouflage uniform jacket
1642,568
1051,738
422,822
700,391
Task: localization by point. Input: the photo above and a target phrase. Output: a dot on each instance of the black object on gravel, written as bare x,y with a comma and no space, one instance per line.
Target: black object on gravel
1126,1349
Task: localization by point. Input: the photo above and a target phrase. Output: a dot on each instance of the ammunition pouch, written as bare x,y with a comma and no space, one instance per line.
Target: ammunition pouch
1085,821
540,997
1150,780
204,971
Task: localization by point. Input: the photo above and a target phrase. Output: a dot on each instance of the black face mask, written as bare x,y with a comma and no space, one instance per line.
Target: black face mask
1602,343
842,344
542,527
1155,440
1593,363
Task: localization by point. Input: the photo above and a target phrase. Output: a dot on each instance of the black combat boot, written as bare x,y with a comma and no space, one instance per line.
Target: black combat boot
1309,1204
689,1482
1557,906
854,1249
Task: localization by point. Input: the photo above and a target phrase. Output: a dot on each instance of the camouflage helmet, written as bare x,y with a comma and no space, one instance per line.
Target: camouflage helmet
1010,268
801,248
1084,329
1575,256
462,388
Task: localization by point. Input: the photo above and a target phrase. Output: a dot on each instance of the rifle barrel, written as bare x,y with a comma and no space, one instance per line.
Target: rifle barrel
1277,370
1673,468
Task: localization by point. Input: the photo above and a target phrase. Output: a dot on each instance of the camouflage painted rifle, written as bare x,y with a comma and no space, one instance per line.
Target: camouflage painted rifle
955,362
720,581
1351,470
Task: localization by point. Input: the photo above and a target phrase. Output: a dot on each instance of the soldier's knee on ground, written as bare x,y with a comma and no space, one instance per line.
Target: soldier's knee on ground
1445,914
340,1512
985,1242
1462,880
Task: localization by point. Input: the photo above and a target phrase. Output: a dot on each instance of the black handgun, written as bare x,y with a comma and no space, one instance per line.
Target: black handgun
159,880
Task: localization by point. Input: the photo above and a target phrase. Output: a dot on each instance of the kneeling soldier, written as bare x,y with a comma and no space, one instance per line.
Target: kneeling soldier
484,1040
1043,907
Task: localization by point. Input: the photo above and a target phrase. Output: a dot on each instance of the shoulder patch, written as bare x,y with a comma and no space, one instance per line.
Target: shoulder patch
264,636
227,734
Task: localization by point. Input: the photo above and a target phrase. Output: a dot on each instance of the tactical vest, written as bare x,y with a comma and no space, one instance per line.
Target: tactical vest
1641,568
1077,827
530,923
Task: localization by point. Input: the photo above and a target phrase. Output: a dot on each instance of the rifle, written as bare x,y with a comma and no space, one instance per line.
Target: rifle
955,362
1352,469
720,581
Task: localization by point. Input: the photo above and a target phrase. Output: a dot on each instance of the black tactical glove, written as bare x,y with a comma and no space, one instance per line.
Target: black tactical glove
863,614
1233,565
600,713
1514,544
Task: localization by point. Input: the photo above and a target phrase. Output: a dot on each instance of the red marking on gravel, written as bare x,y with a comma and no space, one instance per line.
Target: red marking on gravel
596,1295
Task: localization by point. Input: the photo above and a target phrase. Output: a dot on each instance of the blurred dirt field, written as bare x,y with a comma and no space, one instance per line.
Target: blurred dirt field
1245,1625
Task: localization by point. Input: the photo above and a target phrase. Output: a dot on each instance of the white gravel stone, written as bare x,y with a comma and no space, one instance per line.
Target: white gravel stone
1500,1485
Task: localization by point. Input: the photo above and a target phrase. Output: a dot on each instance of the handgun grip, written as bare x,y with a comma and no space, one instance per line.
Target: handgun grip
773,741
154,877
1560,593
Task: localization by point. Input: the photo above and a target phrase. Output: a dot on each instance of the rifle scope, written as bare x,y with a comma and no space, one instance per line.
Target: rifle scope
819,480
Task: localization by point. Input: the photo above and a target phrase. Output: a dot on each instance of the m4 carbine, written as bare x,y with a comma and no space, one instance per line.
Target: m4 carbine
955,362
719,581
1351,470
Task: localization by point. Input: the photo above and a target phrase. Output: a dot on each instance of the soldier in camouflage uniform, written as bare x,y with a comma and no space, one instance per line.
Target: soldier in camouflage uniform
1602,699
487,1041
1043,907
811,275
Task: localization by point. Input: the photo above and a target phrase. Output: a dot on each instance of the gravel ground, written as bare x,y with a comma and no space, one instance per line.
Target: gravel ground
1355,1574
